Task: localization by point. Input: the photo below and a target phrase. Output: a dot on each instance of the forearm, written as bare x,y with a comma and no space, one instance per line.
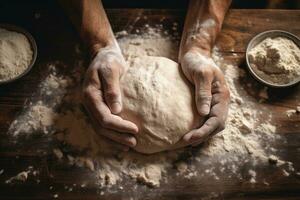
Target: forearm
203,23
91,21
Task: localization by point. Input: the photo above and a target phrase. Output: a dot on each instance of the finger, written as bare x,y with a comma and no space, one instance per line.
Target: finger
203,93
117,123
220,105
110,77
116,141
198,135
206,138
121,138
99,110
219,84
91,79
216,87
118,146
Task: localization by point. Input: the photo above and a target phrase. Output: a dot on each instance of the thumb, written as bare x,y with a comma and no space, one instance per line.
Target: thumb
203,95
112,92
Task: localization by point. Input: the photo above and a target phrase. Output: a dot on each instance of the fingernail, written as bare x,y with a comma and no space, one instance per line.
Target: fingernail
136,130
132,142
187,138
116,107
204,109
194,137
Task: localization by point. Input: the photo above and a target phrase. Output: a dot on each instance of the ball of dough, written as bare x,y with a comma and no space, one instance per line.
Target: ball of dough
160,101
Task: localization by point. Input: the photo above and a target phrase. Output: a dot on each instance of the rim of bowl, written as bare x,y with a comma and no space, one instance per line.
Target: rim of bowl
262,36
33,45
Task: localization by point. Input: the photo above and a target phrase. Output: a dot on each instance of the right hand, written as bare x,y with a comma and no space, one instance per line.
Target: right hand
102,96
212,95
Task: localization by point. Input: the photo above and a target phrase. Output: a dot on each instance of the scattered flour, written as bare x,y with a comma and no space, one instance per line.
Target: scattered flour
22,176
285,173
290,112
298,109
276,60
252,174
57,152
15,54
59,114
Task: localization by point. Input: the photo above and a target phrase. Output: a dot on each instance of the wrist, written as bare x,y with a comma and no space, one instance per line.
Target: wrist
194,50
203,51
194,57
109,54
95,47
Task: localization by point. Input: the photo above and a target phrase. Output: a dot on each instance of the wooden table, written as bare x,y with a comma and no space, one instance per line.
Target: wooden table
56,39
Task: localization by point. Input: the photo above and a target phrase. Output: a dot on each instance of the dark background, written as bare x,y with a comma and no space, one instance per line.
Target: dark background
175,4
57,38
281,4
13,10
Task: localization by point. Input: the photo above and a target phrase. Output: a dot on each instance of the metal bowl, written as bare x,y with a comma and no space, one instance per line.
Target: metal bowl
33,47
259,38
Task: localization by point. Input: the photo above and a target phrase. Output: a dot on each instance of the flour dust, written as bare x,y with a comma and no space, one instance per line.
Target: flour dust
59,115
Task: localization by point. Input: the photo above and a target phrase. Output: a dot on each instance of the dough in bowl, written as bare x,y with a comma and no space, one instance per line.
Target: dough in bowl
160,101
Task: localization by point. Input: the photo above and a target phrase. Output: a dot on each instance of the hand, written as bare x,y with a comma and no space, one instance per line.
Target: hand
211,95
102,96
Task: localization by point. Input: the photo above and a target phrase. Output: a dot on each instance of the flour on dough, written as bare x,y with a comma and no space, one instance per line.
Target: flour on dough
160,101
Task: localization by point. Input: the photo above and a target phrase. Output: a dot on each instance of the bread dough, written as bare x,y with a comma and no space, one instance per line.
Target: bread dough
160,101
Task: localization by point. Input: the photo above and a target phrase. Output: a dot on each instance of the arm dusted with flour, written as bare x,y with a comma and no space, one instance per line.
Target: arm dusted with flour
101,89
203,23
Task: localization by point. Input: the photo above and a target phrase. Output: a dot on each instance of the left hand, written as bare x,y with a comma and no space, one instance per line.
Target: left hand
211,95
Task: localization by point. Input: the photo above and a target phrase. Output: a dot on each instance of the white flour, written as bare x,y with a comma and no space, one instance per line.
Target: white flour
15,54
276,60
59,114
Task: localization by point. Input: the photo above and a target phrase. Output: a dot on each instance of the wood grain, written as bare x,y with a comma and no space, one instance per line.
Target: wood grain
56,39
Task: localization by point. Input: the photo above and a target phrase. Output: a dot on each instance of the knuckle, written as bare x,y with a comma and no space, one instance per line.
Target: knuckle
86,93
105,70
109,67
104,121
219,72
227,93
95,65
197,137
216,84
221,124
204,72
131,141
204,95
111,94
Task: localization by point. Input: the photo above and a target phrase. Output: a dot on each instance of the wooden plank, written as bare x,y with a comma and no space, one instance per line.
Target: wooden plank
239,27
56,41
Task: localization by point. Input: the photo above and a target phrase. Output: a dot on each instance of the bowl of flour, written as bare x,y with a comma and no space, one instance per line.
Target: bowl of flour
273,58
18,52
